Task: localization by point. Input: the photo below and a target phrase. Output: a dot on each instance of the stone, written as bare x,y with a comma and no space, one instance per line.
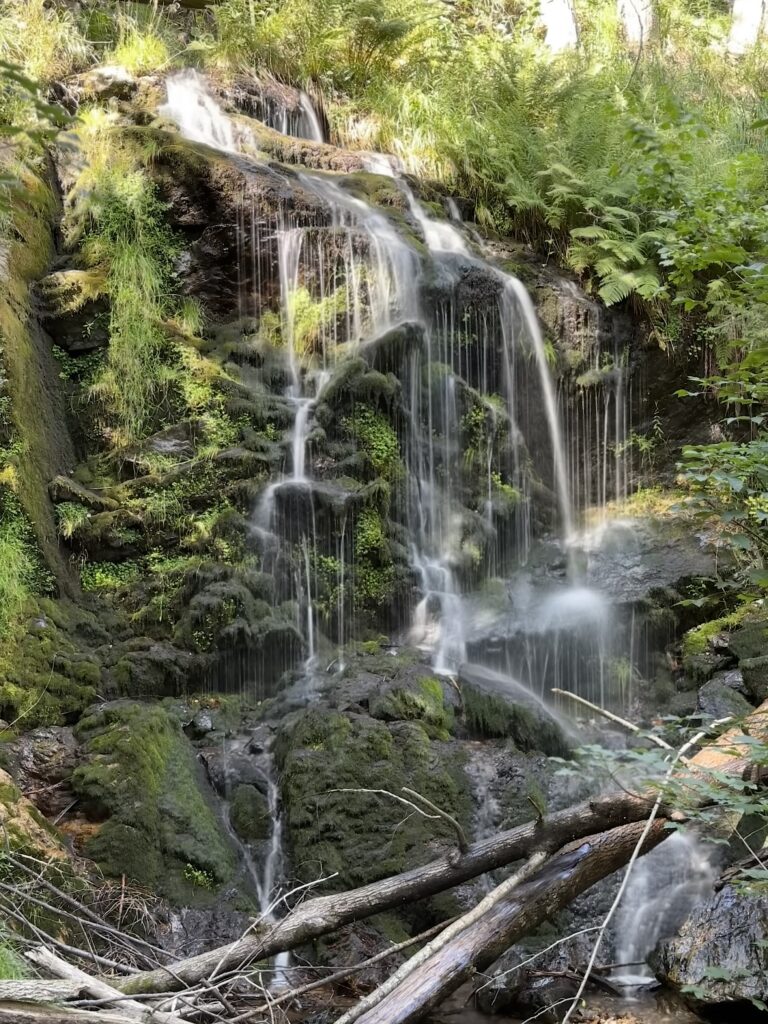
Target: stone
249,814
755,672
110,81
716,700
139,780
732,678
23,827
43,761
719,960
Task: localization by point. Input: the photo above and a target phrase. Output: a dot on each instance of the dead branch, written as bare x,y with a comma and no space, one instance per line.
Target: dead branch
37,990
460,833
573,870
613,718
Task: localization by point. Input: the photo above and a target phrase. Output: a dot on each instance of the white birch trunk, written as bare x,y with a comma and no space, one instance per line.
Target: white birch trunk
636,19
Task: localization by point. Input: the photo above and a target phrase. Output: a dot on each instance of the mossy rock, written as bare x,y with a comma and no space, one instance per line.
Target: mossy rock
249,814
54,673
141,779
489,716
421,700
755,672
24,828
325,758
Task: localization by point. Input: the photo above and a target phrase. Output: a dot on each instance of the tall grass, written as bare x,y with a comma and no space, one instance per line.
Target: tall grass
120,220
43,39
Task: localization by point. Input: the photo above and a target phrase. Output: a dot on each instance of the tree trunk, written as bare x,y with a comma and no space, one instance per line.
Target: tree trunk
637,20
327,913
563,878
29,1013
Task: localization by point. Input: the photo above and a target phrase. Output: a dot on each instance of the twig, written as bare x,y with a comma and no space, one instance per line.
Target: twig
614,718
460,833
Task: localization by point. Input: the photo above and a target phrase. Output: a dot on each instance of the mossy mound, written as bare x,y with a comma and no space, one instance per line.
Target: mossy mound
420,700
142,781
491,716
249,814
326,758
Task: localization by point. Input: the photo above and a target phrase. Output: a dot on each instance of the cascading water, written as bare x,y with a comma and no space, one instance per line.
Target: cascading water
365,277
664,887
262,880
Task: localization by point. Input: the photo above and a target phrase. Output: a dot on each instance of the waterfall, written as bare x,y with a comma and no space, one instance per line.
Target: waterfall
199,117
478,403
262,879
664,887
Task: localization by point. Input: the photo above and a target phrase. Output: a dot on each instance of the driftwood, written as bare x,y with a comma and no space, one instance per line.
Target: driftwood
325,914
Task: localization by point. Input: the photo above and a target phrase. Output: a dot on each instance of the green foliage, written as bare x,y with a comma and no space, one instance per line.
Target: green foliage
42,38
12,967
377,439
198,877
70,516
108,575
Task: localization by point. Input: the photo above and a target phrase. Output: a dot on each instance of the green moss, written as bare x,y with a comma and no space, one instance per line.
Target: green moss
53,675
424,702
141,777
488,715
360,836
249,814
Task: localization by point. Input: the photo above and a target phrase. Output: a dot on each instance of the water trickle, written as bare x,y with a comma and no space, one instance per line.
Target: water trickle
664,887
263,878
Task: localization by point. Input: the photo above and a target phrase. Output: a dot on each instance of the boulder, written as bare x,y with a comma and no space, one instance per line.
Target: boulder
23,827
717,700
755,672
140,781
110,81
719,959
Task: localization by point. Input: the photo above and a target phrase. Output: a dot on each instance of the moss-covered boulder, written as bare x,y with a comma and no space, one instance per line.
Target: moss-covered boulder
249,814
418,698
141,781
24,828
495,716
326,759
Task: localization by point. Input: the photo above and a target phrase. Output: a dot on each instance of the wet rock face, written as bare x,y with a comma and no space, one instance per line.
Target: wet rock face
719,960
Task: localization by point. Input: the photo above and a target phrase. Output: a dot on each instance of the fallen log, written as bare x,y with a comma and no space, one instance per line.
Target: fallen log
37,1013
561,880
418,988
38,990
97,989
327,913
